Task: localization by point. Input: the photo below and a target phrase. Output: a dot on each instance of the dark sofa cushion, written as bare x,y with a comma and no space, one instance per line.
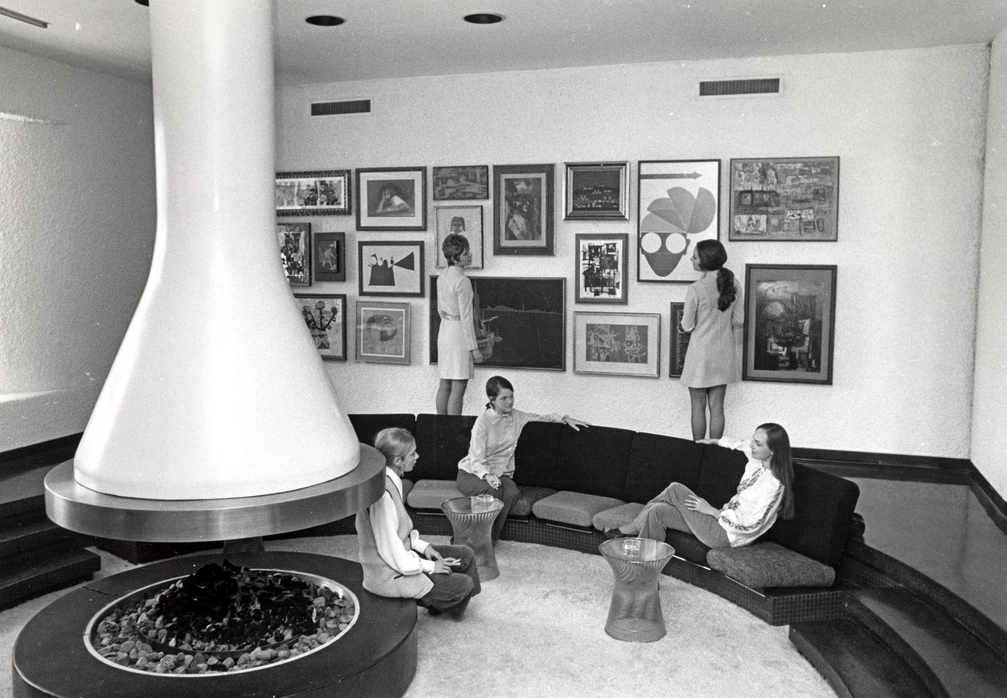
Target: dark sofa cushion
761,565
441,441
367,426
656,461
591,460
535,455
720,474
823,512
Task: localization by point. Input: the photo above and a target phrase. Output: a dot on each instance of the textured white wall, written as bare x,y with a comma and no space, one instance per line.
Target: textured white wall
989,426
909,127
77,218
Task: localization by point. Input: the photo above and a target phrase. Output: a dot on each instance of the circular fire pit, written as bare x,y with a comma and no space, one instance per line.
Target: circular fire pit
374,656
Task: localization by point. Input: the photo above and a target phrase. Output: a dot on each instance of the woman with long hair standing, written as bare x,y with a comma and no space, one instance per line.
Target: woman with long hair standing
457,349
713,312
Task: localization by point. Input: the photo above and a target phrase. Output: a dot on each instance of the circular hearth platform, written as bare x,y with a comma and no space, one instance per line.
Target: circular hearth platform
375,658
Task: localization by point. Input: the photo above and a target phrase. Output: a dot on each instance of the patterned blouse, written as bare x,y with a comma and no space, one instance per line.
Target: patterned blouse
752,511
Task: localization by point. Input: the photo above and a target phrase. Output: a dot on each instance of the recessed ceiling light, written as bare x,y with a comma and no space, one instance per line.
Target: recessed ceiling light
325,20
483,18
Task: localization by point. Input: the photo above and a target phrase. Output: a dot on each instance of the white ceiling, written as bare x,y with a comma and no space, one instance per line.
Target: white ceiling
406,38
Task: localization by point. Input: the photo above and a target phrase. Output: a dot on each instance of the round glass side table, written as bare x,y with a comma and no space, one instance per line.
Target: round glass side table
635,614
472,528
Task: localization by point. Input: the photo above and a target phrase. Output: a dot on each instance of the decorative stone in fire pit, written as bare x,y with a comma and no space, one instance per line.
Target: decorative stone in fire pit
374,656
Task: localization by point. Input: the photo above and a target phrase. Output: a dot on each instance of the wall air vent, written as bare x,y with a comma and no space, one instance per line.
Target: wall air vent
340,108
735,88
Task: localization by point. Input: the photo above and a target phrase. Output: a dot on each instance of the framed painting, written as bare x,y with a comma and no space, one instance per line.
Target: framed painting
617,344
523,221
461,183
295,252
519,322
790,322
325,316
319,193
464,220
390,268
600,268
383,332
784,199
678,204
679,341
392,199
328,250
597,191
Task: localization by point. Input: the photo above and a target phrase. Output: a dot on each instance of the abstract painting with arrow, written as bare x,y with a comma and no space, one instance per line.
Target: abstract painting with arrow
390,268
679,205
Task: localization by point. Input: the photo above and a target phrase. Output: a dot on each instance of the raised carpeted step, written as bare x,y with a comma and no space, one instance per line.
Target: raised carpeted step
39,571
962,665
854,662
22,533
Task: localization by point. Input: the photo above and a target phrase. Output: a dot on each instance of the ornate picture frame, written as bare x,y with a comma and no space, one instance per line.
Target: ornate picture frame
790,323
596,191
784,200
392,198
325,316
315,193
328,252
678,205
600,268
386,268
383,332
295,252
617,344
524,220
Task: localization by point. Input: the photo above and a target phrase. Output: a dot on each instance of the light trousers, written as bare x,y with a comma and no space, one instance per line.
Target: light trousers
668,510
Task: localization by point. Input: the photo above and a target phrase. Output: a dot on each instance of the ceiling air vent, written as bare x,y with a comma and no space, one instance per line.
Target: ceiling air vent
733,88
346,106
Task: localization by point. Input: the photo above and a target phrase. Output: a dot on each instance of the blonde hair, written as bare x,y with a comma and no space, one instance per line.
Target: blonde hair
393,443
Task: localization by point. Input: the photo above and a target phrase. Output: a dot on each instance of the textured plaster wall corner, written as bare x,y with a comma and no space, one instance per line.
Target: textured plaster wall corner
909,127
77,216
989,425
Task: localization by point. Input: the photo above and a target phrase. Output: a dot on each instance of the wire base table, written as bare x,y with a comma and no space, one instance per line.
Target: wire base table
472,528
635,613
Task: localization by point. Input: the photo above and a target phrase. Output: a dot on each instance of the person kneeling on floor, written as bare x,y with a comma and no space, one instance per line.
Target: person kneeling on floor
442,578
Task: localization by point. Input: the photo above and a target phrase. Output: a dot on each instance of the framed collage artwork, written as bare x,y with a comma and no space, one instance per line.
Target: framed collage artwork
319,193
523,222
295,252
785,199
390,268
790,322
383,334
394,198
678,205
464,220
325,316
617,344
600,268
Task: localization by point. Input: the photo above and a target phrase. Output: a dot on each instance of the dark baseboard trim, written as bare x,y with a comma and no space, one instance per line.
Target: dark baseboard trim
46,453
914,463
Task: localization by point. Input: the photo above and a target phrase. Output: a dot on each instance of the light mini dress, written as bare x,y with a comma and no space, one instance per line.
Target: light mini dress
711,358
457,336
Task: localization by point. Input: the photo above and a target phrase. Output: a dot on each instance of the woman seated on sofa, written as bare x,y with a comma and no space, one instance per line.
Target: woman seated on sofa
445,578
489,466
765,491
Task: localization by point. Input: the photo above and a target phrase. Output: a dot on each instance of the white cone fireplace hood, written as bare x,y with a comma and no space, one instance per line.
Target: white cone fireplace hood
218,391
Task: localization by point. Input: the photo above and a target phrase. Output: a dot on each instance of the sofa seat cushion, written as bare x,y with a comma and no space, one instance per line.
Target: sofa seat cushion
526,500
763,565
573,508
430,494
616,516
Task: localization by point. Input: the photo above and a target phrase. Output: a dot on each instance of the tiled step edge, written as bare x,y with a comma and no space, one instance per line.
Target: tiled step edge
23,533
854,662
43,570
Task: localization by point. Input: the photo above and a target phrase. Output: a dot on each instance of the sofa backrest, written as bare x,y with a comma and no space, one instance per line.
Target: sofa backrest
441,441
823,512
367,426
656,461
592,460
719,474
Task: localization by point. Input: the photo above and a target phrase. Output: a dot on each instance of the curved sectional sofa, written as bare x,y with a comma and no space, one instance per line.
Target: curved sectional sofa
574,484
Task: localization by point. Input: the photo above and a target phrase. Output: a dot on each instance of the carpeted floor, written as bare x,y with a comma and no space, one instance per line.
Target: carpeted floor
538,630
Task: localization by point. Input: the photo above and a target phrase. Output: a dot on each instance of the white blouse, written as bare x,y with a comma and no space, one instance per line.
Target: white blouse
752,511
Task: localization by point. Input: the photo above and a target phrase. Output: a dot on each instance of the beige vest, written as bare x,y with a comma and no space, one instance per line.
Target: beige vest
379,578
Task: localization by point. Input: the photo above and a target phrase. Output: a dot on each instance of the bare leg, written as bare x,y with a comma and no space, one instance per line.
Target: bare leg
457,397
443,393
716,395
698,397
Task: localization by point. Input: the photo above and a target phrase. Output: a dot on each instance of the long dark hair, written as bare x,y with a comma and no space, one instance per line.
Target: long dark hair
781,465
713,257
493,387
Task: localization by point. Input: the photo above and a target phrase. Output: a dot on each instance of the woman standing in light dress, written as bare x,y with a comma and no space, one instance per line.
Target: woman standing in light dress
456,341
713,312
